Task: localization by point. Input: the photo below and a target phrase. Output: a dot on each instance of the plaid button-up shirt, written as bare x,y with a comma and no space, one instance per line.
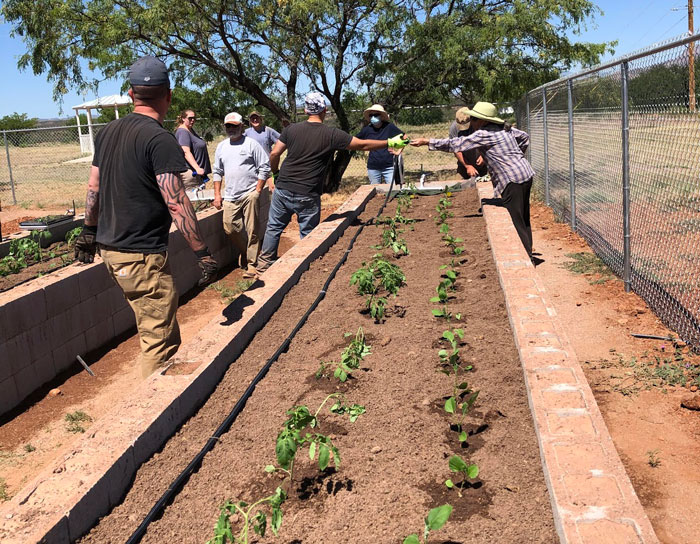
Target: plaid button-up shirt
503,149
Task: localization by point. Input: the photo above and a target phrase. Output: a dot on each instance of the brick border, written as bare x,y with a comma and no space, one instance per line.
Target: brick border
592,498
68,497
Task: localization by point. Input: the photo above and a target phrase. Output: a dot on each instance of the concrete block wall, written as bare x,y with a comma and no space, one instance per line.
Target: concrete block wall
46,322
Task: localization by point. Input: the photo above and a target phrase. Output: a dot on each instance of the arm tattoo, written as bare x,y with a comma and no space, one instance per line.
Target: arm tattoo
181,210
92,207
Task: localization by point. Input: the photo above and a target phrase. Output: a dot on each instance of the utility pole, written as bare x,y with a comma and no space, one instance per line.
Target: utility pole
691,59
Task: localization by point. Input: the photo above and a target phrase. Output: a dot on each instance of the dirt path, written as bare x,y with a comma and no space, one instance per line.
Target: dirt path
394,457
642,413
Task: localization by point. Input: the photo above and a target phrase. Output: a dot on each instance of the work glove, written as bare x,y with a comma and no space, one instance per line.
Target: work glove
397,142
85,244
207,265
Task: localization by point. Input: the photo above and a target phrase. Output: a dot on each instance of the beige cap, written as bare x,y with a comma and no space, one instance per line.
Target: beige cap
233,118
462,118
254,112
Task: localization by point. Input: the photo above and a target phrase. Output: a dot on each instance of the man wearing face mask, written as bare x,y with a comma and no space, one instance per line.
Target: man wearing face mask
380,164
246,200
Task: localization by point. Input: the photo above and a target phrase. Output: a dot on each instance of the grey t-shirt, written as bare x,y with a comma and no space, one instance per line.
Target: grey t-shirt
197,145
242,163
266,137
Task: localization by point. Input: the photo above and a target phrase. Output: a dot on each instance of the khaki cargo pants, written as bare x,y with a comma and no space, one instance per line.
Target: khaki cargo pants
148,286
245,221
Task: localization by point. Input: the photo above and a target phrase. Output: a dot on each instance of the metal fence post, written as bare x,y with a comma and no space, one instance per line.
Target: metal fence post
572,169
546,146
626,247
9,167
527,118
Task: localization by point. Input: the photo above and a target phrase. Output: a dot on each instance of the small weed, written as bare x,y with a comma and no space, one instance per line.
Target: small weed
29,448
72,235
589,264
75,421
4,496
436,518
229,294
653,458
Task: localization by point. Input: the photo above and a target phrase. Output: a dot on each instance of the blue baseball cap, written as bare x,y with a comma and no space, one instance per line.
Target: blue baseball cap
149,71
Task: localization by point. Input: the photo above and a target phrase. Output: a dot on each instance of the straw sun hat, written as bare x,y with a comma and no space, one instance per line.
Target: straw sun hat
486,111
376,108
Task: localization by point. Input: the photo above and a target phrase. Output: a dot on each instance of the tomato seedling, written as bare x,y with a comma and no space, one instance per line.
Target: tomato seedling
350,359
452,244
378,273
297,433
468,472
435,520
443,299
253,514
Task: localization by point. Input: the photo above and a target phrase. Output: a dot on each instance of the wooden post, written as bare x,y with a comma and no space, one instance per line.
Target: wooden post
691,60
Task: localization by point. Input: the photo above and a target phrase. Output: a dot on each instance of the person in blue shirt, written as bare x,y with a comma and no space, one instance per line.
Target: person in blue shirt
380,165
266,136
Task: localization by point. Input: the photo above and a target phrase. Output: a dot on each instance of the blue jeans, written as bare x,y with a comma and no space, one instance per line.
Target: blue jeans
285,204
380,176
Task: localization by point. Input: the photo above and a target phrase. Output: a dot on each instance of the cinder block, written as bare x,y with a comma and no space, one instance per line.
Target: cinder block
25,381
176,243
123,320
18,352
186,275
93,279
5,366
61,327
62,295
39,340
64,355
22,313
45,371
117,300
8,394
99,335
89,313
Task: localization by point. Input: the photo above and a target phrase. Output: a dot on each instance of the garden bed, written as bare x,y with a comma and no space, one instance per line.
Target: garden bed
394,456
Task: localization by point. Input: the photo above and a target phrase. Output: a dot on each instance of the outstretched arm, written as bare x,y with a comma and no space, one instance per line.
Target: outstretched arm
181,210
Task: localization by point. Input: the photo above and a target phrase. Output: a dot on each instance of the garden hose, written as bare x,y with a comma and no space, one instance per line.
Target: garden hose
196,462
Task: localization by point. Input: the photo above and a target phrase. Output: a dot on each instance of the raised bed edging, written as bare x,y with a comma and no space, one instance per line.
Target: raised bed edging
66,499
46,322
592,497
57,232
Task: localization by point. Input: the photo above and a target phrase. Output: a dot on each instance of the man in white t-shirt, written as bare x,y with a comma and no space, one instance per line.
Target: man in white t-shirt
244,165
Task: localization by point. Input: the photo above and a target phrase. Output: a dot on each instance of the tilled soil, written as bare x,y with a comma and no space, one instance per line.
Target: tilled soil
394,457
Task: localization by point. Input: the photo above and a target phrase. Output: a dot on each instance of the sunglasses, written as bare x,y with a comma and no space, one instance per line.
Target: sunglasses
231,125
191,118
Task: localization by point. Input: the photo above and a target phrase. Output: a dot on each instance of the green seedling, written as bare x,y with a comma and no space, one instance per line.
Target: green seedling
442,216
468,472
75,421
450,275
4,495
379,273
435,520
29,448
350,359
255,515
301,429
462,398
390,239
72,235
452,244
444,228
443,299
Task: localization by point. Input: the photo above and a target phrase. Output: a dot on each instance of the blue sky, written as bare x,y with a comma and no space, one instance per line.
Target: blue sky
635,24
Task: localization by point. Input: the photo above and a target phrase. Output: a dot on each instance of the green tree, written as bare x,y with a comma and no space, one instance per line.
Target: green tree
398,52
16,121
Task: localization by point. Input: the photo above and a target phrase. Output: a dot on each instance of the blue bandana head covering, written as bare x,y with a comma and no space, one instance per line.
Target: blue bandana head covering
314,103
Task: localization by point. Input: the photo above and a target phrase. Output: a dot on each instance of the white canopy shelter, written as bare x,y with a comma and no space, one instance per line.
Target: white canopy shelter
87,141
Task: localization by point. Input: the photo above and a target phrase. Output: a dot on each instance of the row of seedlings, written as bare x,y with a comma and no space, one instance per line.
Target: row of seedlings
302,429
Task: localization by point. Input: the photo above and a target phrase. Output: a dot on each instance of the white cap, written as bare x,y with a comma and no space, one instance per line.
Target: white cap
233,118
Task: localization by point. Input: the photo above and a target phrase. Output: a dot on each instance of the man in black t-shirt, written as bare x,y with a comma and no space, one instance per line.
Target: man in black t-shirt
310,146
134,192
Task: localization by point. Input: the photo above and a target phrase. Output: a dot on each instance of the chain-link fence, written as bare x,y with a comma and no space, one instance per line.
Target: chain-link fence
617,154
49,167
